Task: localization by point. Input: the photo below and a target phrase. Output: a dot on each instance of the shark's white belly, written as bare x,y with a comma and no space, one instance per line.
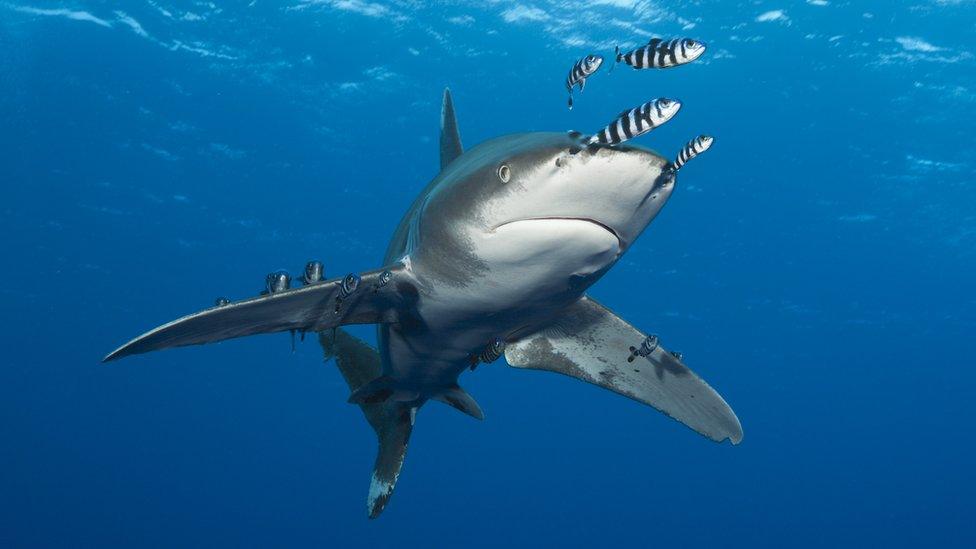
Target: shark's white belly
526,284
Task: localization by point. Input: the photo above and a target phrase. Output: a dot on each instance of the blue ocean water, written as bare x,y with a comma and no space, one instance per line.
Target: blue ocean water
816,267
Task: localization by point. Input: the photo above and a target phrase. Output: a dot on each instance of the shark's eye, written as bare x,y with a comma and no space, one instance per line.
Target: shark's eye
504,173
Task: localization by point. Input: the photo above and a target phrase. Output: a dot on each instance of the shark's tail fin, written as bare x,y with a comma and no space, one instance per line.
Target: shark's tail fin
393,421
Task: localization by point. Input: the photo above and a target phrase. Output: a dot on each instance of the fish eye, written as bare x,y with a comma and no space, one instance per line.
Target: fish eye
504,173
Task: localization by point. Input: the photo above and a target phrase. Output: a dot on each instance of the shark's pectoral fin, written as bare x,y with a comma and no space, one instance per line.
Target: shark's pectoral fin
450,137
458,398
359,364
593,344
374,297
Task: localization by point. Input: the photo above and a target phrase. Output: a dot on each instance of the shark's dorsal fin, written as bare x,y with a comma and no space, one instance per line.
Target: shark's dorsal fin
450,138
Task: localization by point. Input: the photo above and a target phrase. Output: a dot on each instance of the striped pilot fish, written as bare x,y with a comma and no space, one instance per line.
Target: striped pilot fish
583,69
692,149
663,54
648,346
637,121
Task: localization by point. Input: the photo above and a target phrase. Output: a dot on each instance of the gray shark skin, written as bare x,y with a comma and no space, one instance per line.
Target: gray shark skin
501,245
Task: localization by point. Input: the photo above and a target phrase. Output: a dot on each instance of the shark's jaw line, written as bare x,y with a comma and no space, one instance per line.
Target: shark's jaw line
604,226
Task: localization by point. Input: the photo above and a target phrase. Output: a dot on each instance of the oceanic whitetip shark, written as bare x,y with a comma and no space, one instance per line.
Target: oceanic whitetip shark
494,256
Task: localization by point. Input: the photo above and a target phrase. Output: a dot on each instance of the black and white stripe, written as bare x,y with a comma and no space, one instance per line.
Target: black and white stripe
582,69
663,54
692,149
648,346
493,351
637,121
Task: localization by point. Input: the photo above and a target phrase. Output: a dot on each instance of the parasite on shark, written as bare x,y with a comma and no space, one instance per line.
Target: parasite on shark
277,281
637,121
582,69
662,54
314,272
692,149
349,284
384,279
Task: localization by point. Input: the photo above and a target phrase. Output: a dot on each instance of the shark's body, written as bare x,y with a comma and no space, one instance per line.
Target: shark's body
500,246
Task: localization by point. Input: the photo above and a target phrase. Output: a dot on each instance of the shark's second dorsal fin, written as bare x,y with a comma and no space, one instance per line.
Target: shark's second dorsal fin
450,138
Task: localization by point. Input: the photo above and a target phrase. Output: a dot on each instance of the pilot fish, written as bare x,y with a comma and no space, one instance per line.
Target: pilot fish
583,69
663,54
637,121
692,149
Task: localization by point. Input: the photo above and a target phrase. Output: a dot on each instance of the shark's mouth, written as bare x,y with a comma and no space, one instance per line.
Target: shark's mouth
591,221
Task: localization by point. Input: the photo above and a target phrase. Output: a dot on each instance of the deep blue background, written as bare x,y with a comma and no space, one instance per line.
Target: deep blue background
816,267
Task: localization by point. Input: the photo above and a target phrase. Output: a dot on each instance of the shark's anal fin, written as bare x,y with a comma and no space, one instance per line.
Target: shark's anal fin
593,344
450,137
460,399
359,364
311,308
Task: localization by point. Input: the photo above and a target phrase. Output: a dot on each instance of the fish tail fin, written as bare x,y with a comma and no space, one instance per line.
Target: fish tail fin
393,438
360,364
619,57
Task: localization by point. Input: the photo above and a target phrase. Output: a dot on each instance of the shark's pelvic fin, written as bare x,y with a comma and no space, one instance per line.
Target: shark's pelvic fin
359,363
450,138
593,344
459,398
310,308
376,391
